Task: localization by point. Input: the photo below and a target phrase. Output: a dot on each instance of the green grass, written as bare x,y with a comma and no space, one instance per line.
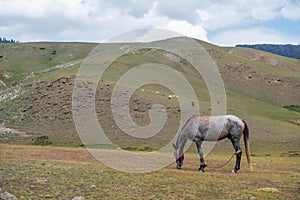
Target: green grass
23,58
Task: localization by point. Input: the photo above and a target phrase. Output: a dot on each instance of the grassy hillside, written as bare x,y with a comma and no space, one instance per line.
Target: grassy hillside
36,85
21,59
37,97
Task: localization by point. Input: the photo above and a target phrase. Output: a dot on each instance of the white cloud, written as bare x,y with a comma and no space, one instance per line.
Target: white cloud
291,11
166,27
219,16
187,29
97,20
144,35
264,10
239,12
252,36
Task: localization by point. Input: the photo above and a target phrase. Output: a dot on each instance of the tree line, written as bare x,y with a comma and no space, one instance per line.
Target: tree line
288,50
5,40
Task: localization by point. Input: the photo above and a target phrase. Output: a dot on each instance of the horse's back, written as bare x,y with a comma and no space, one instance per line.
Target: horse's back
236,119
218,125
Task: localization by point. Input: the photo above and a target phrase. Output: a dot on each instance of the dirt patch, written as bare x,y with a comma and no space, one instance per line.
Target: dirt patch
45,153
11,93
5,130
2,84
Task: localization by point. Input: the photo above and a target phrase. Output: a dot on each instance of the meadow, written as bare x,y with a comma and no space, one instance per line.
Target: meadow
64,173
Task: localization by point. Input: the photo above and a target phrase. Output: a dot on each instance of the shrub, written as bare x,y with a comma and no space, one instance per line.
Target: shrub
42,141
293,108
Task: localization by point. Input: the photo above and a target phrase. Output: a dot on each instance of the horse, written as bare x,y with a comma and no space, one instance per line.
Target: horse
199,128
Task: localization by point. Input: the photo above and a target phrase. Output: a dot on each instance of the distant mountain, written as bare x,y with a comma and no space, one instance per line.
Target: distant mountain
288,50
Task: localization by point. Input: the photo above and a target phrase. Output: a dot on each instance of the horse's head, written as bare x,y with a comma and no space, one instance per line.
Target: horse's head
178,156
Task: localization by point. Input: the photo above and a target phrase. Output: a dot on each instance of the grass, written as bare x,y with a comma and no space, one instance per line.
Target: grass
23,58
268,122
62,173
57,171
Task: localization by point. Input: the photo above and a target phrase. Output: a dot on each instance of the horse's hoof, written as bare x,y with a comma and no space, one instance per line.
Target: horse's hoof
202,166
235,170
201,170
178,167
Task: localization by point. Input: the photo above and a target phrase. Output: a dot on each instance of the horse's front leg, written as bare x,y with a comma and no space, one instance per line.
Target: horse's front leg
198,142
179,161
238,152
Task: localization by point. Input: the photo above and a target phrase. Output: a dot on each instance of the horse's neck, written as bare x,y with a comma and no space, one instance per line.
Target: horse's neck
181,142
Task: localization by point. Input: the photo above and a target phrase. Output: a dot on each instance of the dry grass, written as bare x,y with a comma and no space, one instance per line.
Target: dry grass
61,173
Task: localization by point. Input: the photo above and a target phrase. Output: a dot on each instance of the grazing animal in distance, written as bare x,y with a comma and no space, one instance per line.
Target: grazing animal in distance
200,128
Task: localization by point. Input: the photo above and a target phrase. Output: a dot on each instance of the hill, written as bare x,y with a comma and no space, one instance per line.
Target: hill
288,50
37,83
36,88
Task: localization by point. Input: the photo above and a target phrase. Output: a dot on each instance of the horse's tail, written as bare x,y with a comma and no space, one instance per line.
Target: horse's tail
247,145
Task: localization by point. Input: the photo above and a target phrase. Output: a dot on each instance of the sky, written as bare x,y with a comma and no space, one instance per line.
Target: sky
221,22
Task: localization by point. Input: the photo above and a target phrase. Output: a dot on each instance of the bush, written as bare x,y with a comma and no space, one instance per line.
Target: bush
42,141
293,108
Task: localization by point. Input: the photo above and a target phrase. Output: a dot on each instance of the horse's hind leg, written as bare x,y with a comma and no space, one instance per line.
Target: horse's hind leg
200,152
238,152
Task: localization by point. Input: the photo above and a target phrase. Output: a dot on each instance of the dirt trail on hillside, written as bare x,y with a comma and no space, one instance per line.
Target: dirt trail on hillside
61,66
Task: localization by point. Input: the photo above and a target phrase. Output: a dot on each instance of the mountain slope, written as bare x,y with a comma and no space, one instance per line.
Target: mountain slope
260,74
37,96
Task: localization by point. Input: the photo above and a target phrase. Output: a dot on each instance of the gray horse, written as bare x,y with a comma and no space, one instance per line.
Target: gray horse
213,128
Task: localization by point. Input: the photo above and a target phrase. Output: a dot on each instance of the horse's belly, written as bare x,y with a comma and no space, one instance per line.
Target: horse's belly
223,135
216,136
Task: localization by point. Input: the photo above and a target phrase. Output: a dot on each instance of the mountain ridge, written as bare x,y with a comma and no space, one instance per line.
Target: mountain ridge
287,50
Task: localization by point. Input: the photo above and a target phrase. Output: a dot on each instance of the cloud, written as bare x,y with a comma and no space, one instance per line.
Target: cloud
219,16
180,10
144,35
291,11
88,20
187,29
239,13
264,10
97,20
252,36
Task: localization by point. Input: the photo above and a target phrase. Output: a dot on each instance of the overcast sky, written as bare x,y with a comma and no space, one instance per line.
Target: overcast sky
222,22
